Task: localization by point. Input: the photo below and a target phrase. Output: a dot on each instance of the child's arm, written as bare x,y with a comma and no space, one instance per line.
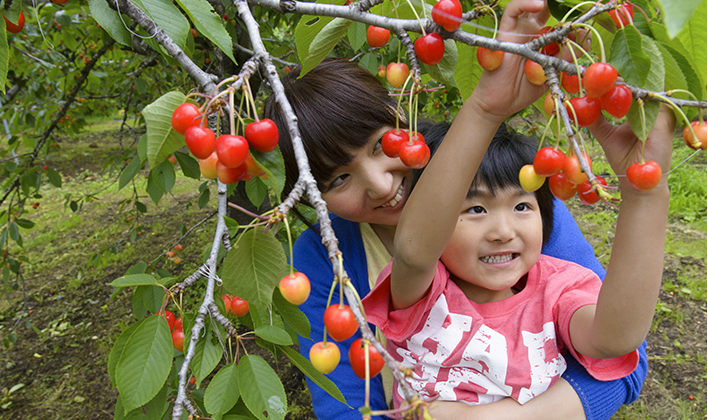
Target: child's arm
625,308
431,213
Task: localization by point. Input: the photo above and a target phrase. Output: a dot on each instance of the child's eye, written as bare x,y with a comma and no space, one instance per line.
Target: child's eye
476,210
336,182
522,207
377,146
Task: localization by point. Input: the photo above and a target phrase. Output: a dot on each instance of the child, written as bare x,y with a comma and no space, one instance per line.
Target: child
469,303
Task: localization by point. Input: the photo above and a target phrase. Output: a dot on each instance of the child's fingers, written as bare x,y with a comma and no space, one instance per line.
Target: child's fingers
522,19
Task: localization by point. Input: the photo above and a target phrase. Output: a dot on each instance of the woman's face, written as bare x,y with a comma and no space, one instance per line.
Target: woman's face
372,189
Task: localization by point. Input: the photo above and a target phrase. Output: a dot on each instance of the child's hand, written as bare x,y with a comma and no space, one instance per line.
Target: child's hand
506,90
623,148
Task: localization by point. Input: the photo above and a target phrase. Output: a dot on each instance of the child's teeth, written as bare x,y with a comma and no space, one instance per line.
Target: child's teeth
497,258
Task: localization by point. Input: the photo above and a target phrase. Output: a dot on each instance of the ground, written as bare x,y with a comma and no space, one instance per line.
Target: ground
65,321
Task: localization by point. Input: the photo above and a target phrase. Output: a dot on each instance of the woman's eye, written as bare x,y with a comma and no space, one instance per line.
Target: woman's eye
377,146
339,180
476,210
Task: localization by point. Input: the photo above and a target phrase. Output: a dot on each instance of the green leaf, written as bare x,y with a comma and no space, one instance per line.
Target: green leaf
154,410
206,356
138,304
677,13
356,34
324,42
189,165
131,169
628,56
24,223
674,75
162,140
253,268
145,363
110,21
14,232
308,29
445,69
203,198
209,24
370,62
306,367
274,335
274,166
154,191
4,59
153,297
693,37
137,268
654,82
164,176
468,71
294,317
683,58
54,177
222,393
261,389
134,280
117,350
256,191
168,17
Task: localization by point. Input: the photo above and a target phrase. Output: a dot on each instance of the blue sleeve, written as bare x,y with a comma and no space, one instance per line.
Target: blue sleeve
311,258
600,399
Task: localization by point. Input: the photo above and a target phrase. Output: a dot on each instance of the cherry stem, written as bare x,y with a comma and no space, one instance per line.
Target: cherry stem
367,376
232,118
545,130
599,38
575,61
678,109
422,29
253,101
290,244
644,127
329,302
576,7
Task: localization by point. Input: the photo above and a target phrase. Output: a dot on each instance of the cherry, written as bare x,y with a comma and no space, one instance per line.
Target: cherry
239,307
599,79
529,179
534,72
324,356
176,260
170,317
617,101
572,170
185,116
357,359
15,28
548,161
585,194
382,71
227,304
295,288
700,128
262,135
551,48
644,176
252,167
59,1
178,339
396,74
177,247
170,254
571,83
172,159
200,141
561,188
622,16
178,324
448,14
430,48
415,154
489,59
377,37
549,105
232,150
228,175
208,166
340,322
392,141
587,110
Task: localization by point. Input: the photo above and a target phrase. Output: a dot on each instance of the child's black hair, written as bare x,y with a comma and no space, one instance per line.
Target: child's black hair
507,154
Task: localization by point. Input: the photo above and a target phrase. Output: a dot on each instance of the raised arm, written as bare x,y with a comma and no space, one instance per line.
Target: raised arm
623,315
430,215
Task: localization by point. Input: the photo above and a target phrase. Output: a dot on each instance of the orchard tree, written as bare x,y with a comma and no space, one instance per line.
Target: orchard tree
194,73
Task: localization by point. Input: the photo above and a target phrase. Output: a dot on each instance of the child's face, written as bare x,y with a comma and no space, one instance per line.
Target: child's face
372,189
496,242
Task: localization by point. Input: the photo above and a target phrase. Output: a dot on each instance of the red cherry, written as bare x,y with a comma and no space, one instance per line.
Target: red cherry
357,359
178,339
572,170
177,247
170,254
227,304
377,37
700,128
170,317
551,48
200,141
228,175
252,167
561,187
644,176
585,195
239,307
534,72
185,116
448,14
489,59
382,71
340,322
396,74
178,324
549,104
571,83
208,166
232,150
617,101
548,161
622,16
262,135
587,110
430,48
392,141
599,79
15,28
295,288
415,154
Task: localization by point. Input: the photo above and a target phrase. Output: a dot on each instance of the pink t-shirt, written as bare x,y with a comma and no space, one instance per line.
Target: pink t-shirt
460,350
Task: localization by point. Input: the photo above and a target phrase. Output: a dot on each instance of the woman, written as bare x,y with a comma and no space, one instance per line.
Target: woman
343,111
